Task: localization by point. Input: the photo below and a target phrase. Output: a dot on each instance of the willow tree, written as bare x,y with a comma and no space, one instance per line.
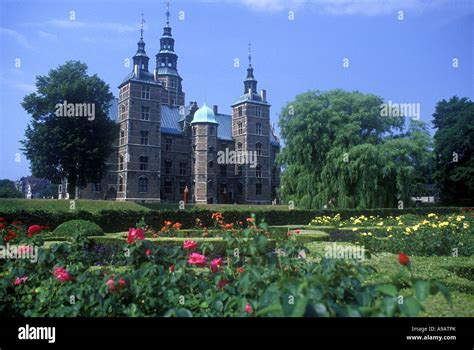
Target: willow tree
340,152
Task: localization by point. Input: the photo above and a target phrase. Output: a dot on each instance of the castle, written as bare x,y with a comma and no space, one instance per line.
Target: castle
166,146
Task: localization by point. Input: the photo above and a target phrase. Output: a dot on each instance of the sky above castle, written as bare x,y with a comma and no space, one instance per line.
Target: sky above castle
420,56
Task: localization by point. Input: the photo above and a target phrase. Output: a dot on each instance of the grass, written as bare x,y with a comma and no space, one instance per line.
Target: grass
55,205
456,273
215,207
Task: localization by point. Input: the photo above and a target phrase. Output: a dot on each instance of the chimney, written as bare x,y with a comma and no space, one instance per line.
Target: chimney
263,94
215,109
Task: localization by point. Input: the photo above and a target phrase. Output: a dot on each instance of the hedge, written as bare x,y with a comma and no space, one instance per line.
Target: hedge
122,220
72,228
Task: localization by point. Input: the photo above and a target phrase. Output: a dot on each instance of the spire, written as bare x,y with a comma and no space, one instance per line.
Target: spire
168,13
140,60
250,83
166,58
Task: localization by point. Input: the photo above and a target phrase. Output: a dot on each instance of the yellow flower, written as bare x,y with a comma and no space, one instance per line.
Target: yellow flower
390,236
465,225
369,234
432,215
354,229
443,224
389,228
380,223
408,230
459,218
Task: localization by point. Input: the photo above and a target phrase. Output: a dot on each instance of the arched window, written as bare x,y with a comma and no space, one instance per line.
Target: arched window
122,136
258,128
143,184
239,146
258,147
121,162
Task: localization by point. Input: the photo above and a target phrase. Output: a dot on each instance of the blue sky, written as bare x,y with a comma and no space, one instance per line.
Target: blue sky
408,61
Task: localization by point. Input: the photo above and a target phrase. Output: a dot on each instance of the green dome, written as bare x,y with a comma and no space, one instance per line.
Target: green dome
204,115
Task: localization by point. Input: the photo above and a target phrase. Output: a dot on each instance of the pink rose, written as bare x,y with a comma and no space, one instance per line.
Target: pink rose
216,265
111,284
20,280
33,229
135,234
189,245
248,309
62,274
197,259
148,252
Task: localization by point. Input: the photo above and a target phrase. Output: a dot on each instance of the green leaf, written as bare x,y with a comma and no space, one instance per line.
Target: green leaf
422,290
388,289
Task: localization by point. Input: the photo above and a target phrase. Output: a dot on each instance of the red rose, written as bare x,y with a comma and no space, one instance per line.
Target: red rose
122,282
135,234
171,268
296,231
189,245
148,252
248,309
62,275
240,269
33,229
403,259
222,284
216,265
197,259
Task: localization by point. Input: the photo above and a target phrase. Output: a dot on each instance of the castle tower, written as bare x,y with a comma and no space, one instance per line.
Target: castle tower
139,146
167,67
251,132
204,143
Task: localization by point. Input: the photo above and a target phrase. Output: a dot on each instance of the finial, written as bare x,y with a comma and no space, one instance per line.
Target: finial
250,55
141,27
167,13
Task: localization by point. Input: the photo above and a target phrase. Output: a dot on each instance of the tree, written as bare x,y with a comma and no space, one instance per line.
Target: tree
50,191
453,148
73,147
8,189
339,151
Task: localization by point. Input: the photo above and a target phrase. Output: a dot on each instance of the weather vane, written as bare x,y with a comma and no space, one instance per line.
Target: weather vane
250,55
168,12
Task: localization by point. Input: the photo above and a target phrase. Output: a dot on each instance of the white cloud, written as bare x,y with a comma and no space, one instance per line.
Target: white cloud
20,39
344,7
46,35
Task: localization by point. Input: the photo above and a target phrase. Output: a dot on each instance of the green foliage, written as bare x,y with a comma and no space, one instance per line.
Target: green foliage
340,152
8,189
273,280
75,148
453,148
70,229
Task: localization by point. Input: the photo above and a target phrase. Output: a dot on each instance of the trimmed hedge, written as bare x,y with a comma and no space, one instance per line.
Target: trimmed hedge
122,220
70,229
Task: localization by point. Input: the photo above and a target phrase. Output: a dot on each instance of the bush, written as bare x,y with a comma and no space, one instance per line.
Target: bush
72,228
122,220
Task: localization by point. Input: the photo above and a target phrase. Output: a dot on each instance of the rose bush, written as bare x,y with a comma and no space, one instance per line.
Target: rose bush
255,277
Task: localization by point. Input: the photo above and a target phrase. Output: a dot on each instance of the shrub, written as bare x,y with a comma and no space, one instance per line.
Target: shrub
70,229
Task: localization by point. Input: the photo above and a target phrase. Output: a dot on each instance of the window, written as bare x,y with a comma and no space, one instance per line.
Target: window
172,82
211,164
194,131
239,128
120,186
239,111
144,137
168,144
146,92
124,92
258,189
97,187
120,162
240,189
144,163
258,147
258,129
122,137
143,184
182,168
168,167
223,188
168,187
258,111
145,113
211,150
258,171
223,171
239,170
211,130
239,146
